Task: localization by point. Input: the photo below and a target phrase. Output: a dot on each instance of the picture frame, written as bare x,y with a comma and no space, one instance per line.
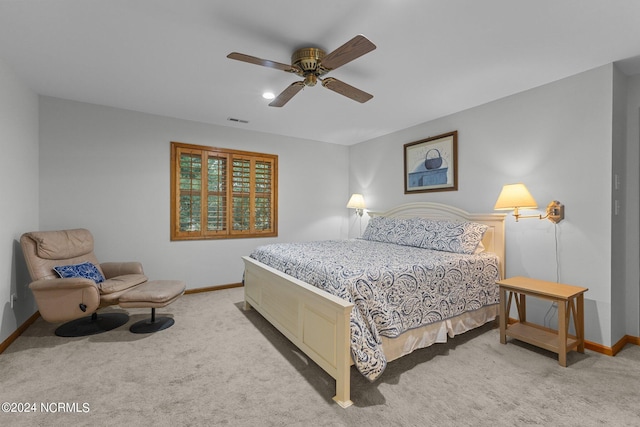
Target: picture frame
431,164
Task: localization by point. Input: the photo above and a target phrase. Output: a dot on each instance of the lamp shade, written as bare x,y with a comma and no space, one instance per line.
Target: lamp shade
515,196
356,201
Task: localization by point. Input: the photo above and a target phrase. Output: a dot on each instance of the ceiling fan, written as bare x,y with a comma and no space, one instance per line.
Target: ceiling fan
312,63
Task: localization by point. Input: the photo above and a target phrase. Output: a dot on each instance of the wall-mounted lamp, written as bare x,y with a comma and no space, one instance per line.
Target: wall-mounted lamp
357,202
516,196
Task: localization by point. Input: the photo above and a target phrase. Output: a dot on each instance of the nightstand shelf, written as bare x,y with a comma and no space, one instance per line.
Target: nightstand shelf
539,336
570,301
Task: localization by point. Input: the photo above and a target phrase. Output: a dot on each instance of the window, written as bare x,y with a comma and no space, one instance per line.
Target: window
218,193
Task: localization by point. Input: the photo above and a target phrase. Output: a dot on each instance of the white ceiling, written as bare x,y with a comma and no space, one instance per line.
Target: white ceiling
433,57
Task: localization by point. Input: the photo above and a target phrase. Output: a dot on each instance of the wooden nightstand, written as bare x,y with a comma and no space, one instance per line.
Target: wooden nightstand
570,301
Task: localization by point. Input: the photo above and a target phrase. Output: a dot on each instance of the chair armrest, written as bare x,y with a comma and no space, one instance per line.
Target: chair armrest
115,269
59,284
61,300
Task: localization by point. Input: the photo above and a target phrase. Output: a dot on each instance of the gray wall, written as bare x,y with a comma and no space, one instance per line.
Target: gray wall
19,195
619,205
107,170
631,189
69,164
557,139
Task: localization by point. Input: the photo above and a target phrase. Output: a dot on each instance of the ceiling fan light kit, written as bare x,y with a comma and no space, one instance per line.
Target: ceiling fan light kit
311,63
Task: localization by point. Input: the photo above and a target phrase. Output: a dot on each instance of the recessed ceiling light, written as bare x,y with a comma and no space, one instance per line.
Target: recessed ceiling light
268,95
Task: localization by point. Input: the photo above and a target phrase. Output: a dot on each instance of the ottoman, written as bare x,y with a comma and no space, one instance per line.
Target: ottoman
154,294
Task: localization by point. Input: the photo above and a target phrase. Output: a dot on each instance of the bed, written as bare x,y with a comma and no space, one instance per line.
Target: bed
283,283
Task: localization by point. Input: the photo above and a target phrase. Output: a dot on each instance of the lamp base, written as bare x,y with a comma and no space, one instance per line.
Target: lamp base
555,211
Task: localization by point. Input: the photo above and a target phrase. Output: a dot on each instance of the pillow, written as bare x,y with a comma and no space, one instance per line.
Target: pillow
479,249
86,270
450,236
387,230
438,234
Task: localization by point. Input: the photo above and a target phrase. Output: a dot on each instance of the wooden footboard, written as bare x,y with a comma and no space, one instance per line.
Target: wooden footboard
312,319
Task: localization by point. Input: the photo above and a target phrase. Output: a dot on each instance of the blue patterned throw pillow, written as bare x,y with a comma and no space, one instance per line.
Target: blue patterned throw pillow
86,270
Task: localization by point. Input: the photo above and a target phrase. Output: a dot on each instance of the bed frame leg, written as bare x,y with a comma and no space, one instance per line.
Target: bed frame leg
343,386
342,396
343,379
343,359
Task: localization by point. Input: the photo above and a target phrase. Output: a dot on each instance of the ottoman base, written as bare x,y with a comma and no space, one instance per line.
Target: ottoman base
155,294
155,324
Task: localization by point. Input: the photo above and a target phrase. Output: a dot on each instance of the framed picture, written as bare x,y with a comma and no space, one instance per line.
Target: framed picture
431,164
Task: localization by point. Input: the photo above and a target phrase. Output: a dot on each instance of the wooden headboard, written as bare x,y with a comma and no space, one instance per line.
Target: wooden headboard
493,240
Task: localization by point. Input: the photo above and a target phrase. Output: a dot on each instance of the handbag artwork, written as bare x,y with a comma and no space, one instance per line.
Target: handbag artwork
433,162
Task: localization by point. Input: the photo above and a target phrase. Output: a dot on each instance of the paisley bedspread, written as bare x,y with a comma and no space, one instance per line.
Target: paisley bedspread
394,288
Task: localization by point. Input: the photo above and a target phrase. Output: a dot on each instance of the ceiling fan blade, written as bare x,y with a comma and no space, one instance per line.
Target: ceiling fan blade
354,48
264,62
287,94
347,90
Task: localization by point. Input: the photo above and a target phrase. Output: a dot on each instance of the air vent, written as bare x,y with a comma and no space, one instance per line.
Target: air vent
233,119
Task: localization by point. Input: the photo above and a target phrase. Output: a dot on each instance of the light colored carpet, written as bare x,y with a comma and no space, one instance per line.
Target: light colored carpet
220,365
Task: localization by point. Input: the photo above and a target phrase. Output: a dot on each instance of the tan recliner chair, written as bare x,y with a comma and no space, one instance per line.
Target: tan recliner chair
71,299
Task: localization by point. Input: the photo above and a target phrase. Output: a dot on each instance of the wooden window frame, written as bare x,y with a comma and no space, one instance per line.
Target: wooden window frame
205,152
